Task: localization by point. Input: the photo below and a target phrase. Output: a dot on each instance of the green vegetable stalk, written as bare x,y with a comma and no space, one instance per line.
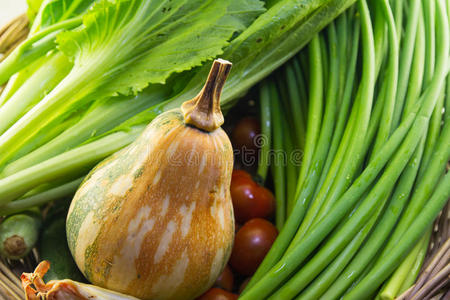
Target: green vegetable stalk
279,165
265,95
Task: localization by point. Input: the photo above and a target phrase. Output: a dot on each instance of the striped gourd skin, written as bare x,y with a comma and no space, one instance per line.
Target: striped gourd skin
155,220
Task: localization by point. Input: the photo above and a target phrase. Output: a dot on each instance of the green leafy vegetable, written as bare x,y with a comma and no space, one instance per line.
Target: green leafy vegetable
56,11
121,47
33,8
268,42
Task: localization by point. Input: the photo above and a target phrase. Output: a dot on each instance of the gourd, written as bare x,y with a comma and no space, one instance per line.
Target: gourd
155,220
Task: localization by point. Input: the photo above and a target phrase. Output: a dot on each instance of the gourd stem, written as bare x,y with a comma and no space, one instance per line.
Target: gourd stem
203,111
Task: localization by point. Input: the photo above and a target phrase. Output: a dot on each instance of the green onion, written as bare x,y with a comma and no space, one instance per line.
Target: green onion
413,234
266,130
279,157
315,107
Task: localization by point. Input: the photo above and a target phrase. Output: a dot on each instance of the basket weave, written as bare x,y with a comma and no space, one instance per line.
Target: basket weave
432,283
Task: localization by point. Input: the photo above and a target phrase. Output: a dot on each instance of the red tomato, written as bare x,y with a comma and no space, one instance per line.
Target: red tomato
240,173
250,200
244,133
225,280
217,294
251,244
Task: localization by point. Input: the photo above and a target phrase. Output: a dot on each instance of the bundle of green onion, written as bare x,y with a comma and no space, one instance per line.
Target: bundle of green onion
369,105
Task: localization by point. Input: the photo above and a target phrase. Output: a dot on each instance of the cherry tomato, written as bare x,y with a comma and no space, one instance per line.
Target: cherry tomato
217,294
250,200
240,173
251,244
244,133
225,280
237,226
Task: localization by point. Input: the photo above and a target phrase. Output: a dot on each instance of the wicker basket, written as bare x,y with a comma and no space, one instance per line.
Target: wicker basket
432,283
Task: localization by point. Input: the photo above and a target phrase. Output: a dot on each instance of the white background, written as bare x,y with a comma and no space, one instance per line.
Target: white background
9,9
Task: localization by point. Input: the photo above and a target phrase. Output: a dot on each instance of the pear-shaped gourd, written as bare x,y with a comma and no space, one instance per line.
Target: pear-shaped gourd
155,220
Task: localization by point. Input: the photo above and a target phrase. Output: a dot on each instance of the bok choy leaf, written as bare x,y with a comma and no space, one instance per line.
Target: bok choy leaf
123,46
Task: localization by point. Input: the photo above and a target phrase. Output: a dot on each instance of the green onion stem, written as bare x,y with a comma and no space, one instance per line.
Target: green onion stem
391,78
353,157
442,152
325,62
326,278
326,132
429,9
375,118
315,107
417,68
342,49
266,128
379,29
411,277
320,196
398,11
289,263
278,163
394,284
381,231
303,91
434,131
332,248
424,188
291,169
296,98
408,47
328,186
346,101
379,272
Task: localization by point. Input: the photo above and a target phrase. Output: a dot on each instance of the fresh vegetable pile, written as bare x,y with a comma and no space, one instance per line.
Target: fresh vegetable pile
94,73
353,137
